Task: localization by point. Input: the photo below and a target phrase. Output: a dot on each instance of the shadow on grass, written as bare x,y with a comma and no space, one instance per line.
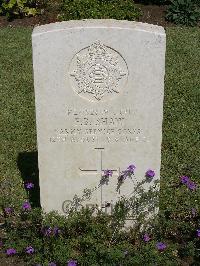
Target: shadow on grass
28,165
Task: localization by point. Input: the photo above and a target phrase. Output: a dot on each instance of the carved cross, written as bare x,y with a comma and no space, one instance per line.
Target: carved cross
99,170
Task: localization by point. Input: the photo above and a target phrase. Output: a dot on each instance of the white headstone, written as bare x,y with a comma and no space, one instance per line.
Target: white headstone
99,88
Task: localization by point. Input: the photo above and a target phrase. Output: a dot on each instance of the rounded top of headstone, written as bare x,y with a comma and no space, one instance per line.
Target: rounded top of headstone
98,23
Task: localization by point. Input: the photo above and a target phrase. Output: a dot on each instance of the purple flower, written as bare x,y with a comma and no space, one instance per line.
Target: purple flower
72,263
11,251
198,232
184,179
191,185
161,246
30,250
56,231
8,210
52,264
146,238
127,173
26,206
29,185
131,168
108,172
150,173
47,231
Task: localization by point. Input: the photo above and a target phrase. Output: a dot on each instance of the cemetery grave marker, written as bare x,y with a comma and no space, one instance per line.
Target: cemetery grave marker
99,87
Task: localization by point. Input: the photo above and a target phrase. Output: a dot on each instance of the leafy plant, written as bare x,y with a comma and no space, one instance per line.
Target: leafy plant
99,9
183,12
197,2
20,8
90,236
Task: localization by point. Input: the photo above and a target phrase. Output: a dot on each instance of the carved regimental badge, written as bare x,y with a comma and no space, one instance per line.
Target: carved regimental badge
98,73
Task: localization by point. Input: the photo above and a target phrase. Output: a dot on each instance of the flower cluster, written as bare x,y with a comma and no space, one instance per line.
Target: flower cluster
29,185
8,210
127,173
11,251
146,238
30,250
108,173
26,206
159,245
105,177
72,263
130,169
188,182
50,231
150,173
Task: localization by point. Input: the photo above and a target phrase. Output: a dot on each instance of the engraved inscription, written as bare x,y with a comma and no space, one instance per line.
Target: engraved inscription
98,126
98,73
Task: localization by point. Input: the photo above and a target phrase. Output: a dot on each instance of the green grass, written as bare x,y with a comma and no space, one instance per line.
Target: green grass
18,132
181,127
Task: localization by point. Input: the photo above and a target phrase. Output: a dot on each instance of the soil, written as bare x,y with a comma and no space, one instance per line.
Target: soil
11,261
29,21
152,14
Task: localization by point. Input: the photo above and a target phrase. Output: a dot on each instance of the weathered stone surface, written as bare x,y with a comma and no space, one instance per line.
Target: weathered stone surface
99,88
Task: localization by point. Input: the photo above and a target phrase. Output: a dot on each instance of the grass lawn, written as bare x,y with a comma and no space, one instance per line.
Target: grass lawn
18,132
181,126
